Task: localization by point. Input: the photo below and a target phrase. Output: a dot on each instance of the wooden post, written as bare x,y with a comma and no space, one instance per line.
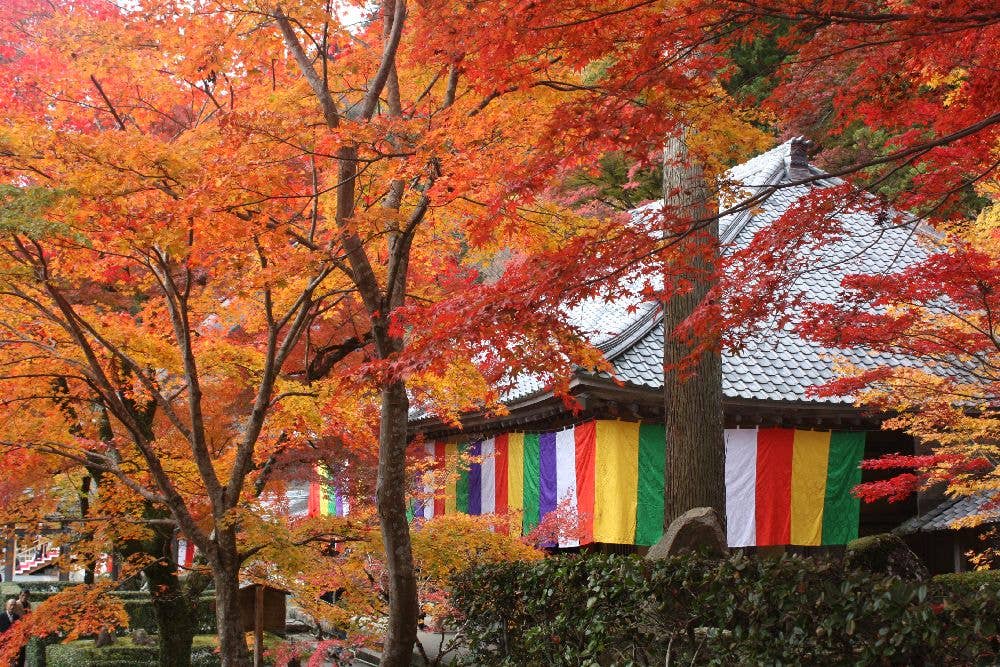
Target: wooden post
9,555
258,625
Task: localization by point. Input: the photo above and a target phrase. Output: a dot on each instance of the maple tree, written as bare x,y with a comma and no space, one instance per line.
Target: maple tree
937,318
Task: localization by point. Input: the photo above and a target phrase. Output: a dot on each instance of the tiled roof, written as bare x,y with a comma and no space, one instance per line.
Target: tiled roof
776,364
948,512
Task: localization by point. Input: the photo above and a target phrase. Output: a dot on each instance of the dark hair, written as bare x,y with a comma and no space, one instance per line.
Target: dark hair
25,593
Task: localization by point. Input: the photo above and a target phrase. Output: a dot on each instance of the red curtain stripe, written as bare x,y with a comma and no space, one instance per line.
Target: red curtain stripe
774,485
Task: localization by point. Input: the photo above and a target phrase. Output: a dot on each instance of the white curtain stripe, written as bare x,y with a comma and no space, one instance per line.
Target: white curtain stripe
741,487
488,485
566,475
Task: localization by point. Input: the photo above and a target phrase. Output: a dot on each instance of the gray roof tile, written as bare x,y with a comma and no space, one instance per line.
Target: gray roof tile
775,364
948,512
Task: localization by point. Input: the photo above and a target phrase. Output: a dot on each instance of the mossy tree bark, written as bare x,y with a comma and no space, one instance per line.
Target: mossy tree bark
695,457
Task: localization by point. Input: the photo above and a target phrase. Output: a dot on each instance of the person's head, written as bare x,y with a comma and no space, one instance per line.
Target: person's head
9,607
23,597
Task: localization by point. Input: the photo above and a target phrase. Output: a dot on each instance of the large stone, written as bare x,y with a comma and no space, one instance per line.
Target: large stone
697,529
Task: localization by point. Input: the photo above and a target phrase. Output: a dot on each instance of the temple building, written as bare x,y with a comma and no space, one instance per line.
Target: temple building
791,457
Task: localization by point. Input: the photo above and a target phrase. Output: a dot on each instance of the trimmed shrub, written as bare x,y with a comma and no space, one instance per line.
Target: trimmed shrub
141,615
599,610
555,611
124,653
38,589
34,652
140,611
966,582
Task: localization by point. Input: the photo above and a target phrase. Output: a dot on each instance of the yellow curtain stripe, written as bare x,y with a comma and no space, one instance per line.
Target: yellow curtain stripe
616,472
810,456
515,477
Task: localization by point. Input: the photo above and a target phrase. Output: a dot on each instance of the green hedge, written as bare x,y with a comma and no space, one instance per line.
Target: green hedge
34,652
123,653
590,610
37,588
140,612
141,615
139,608
967,582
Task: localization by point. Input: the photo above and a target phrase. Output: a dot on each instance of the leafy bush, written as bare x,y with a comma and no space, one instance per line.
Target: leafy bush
141,615
38,589
554,611
738,610
34,652
966,582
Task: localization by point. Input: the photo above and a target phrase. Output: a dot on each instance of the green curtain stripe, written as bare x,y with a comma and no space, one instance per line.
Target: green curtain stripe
532,469
841,509
652,460
462,483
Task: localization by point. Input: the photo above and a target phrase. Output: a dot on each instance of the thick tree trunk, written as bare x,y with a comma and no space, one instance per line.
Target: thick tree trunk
695,458
226,575
391,502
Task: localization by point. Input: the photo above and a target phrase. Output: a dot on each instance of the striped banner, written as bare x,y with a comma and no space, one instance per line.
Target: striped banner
783,486
185,553
325,499
788,486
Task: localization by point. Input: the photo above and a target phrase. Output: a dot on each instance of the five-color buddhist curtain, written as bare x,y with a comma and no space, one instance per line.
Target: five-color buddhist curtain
783,486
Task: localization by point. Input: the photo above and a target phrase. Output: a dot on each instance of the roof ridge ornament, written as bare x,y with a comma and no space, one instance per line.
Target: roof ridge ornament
798,158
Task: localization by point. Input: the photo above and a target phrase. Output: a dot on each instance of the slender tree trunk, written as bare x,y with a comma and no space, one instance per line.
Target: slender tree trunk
226,575
695,458
89,566
175,611
391,502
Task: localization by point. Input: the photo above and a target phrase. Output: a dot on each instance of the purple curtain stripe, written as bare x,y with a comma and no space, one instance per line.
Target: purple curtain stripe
476,480
547,499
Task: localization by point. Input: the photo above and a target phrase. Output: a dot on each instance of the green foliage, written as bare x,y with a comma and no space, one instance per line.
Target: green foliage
38,589
754,65
556,611
124,653
141,614
738,610
964,583
612,185
34,652
22,211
